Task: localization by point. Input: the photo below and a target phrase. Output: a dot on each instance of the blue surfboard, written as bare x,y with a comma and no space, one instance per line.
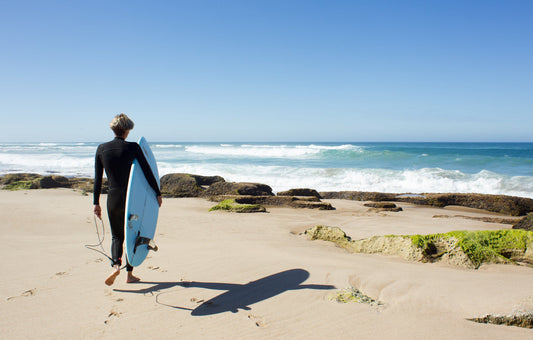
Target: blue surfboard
142,209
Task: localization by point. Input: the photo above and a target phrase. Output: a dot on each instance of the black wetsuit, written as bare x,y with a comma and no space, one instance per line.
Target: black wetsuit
116,158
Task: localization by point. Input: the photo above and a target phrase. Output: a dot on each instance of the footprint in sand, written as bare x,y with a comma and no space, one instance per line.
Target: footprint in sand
157,268
29,292
112,315
258,320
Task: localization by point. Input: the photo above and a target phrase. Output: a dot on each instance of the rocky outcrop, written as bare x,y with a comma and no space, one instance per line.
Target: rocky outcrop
300,192
358,196
238,188
486,219
233,206
460,248
382,206
310,202
522,319
36,181
525,223
186,185
508,205
19,181
48,182
352,294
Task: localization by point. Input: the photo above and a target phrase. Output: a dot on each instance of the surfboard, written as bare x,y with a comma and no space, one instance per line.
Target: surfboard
142,209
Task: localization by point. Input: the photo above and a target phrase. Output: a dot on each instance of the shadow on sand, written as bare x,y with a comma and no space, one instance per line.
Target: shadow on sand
237,295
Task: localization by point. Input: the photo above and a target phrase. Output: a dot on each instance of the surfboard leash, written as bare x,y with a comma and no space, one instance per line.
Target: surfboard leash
100,240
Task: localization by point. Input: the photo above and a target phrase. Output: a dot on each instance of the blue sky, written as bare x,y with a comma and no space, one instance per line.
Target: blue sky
267,70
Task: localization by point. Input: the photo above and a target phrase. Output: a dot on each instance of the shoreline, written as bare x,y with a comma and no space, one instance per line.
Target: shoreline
190,185
266,279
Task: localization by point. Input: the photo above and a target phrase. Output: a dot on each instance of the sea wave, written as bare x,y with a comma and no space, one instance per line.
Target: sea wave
267,150
47,163
424,180
167,146
396,168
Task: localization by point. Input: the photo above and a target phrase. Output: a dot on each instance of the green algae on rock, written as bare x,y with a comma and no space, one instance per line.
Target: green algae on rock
231,205
352,294
524,319
461,248
485,246
19,185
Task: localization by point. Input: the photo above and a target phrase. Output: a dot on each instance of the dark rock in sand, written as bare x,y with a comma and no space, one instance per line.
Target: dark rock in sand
12,178
238,188
508,205
50,182
184,185
383,206
280,201
523,319
233,206
358,196
300,192
526,223
36,181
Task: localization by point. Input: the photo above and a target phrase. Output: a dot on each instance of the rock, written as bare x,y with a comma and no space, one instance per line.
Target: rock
310,202
300,192
11,178
86,185
233,206
482,219
358,196
49,182
352,294
508,205
523,319
206,180
311,205
22,181
233,188
325,233
459,248
186,185
382,206
525,223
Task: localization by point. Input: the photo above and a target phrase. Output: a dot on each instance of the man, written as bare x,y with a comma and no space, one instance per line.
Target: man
116,157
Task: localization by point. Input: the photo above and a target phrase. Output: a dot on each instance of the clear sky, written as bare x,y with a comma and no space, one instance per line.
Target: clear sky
398,70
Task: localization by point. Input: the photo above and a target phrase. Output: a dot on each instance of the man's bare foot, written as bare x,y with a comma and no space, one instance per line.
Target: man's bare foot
111,278
132,279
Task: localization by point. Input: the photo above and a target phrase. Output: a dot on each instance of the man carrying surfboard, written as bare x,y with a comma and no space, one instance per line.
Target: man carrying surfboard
116,158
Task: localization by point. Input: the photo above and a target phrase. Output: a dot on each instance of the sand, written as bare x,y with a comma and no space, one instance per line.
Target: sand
220,275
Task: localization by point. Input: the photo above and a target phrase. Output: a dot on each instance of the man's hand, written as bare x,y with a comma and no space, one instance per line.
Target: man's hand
159,200
98,211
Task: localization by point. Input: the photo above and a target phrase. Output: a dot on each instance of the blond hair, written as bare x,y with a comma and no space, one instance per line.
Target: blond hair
120,124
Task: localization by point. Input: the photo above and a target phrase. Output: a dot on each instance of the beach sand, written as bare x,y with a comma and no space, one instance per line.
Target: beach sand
222,275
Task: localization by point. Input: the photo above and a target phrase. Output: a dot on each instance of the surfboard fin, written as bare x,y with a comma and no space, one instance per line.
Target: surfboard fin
144,240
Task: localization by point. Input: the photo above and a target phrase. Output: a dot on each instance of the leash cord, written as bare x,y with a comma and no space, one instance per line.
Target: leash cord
100,240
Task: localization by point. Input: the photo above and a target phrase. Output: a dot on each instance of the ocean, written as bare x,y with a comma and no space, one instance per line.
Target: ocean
488,168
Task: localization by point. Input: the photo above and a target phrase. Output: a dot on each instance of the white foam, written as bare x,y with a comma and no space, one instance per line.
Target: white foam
168,146
267,150
282,178
256,151
77,159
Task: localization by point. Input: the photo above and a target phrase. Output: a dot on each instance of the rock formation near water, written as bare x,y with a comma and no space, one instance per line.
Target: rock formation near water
460,248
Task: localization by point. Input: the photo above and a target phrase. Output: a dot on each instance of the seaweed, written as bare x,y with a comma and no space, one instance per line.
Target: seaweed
232,205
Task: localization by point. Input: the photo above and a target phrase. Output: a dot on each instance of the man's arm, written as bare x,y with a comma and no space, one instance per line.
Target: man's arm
147,170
